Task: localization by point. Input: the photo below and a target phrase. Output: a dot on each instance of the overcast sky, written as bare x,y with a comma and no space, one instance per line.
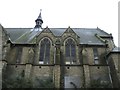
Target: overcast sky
61,13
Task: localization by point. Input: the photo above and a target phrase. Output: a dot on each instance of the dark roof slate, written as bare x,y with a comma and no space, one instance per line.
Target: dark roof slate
26,36
15,33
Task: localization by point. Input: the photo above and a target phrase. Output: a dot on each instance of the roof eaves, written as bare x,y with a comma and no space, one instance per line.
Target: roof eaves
22,43
93,44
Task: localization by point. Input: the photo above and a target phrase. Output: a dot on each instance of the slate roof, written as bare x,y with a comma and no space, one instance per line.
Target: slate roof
87,35
15,33
116,49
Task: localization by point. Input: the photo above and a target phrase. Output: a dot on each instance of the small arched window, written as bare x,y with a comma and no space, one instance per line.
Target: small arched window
70,51
44,51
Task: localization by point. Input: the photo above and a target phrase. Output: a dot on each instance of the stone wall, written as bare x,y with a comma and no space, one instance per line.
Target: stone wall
14,55
73,77
102,53
116,57
4,49
0,57
3,43
113,61
86,76
20,55
101,73
13,71
39,73
90,55
0,42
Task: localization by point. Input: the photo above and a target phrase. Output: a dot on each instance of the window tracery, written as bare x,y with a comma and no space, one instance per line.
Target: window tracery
70,51
44,51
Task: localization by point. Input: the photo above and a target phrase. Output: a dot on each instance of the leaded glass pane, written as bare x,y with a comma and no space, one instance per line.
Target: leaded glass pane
67,50
45,51
70,50
42,50
73,51
47,54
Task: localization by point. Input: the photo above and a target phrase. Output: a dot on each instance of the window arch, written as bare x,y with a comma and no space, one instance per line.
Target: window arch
70,51
44,51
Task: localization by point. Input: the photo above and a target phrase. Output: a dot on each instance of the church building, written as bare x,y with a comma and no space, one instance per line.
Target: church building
58,57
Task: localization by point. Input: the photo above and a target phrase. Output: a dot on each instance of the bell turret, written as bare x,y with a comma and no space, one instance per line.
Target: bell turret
39,21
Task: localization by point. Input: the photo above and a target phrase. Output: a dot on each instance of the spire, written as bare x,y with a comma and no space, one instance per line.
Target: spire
39,21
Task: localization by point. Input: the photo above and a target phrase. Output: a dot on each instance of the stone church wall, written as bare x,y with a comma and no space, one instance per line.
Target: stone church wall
13,71
42,73
25,60
90,55
0,42
39,71
100,73
113,62
73,75
116,58
102,53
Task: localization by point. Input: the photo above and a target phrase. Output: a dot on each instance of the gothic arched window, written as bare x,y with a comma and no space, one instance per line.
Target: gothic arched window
70,51
44,51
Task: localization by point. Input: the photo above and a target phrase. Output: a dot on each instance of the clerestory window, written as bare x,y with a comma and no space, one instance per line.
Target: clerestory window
70,51
96,56
44,51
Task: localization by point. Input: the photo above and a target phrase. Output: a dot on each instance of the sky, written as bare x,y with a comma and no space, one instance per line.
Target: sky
61,14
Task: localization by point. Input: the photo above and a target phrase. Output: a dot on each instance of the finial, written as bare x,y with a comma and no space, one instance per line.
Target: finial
97,27
40,10
46,26
111,34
